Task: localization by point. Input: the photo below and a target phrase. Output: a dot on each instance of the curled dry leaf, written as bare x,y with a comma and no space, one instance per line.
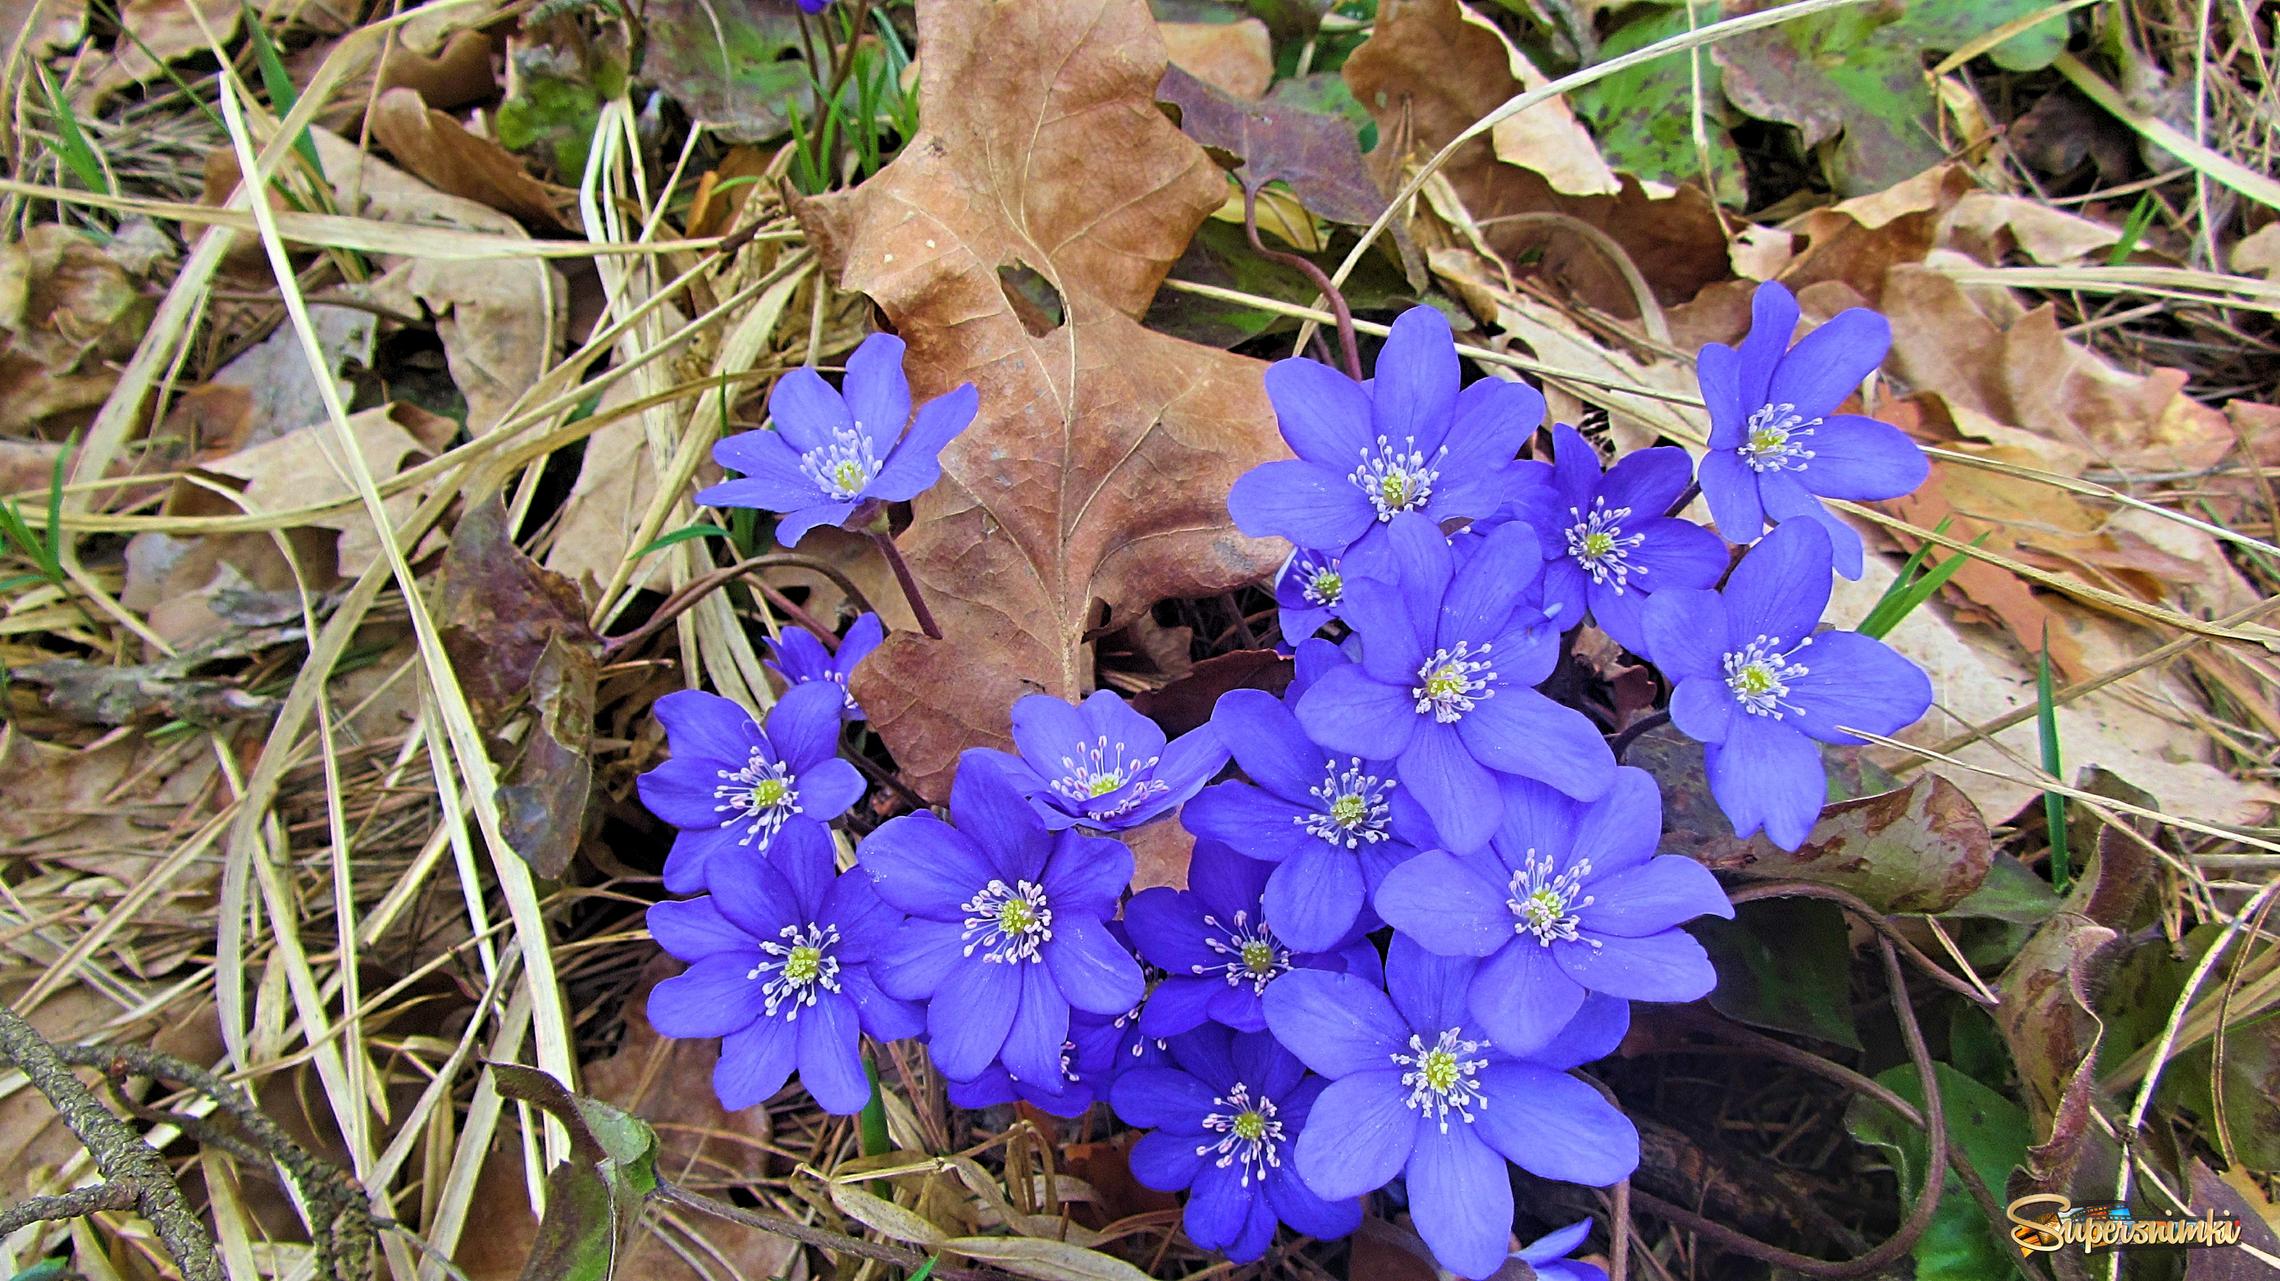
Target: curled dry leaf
440,151
47,25
1431,68
1235,58
67,309
1920,848
303,468
1317,153
165,32
725,62
1093,483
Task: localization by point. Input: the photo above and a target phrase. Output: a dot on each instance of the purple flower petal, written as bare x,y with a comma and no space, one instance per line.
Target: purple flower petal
1337,1024
1718,368
1856,682
1492,422
1310,505
1267,743
1767,775
987,807
1829,363
831,787
1427,990
803,726
1313,898
1555,1245
923,866
970,1014
1450,905
1415,389
1323,414
1781,586
1295,1204
1773,318
1622,828
1178,1005
1647,481
1088,874
1554,1126
681,790
1593,1034
694,928
772,478
795,524
713,997
916,461
876,392
1444,777
754,895
831,1056
1731,488
1669,966
1094,971
1863,459
1461,1199
1788,502
1483,594
1660,893
1165,1162
1243,816
1032,1051
1162,1099
883,1017
806,409
1522,732
1358,1136
912,962
1677,553
1219,1204
1349,713
1522,999
755,1063
1688,633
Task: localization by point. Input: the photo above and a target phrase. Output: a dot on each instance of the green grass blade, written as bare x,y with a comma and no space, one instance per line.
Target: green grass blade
1911,589
702,529
71,145
53,546
2054,805
2133,230
925,1269
279,84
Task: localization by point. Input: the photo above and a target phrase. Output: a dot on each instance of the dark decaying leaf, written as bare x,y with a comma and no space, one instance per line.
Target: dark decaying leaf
1277,140
1921,848
731,64
1784,964
594,1197
1186,703
1094,481
2046,1015
2213,1193
542,807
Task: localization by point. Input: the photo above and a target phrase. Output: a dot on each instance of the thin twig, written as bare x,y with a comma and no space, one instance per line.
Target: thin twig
75,1204
1348,348
697,589
820,1238
1620,741
1870,917
895,562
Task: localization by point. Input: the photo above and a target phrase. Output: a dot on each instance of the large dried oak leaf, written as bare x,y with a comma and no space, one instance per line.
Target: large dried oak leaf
1094,482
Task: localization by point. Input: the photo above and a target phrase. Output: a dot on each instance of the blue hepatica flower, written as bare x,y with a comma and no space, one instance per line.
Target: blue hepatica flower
1308,589
1416,1089
1777,444
1223,1115
1606,542
833,452
780,958
1332,825
1444,686
1407,441
1100,764
1759,688
1008,928
1088,1060
800,658
1218,952
1548,1255
1569,898
734,790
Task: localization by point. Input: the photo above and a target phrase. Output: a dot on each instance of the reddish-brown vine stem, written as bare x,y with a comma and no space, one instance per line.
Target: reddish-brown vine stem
1349,348
698,588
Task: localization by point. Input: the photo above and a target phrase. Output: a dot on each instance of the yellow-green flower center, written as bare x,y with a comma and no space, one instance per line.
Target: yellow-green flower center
1104,784
1259,957
1393,491
1349,811
1767,439
1446,682
1598,543
802,965
1754,678
1439,1070
1015,916
769,793
849,474
1250,1126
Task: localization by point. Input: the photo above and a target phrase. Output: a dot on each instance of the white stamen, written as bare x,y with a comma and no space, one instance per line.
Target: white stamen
1597,542
1443,1078
1778,437
1255,955
1253,1135
1452,680
1008,924
1354,810
844,467
763,794
1547,906
799,966
1100,769
1397,480
1760,672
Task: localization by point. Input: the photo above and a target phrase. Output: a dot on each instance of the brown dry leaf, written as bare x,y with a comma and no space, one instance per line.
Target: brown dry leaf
280,389
303,467
1094,481
1921,848
36,1138
190,591
109,810
1978,676
1987,226
1431,68
2258,253
440,151
1236,58
616,481
1761,253
67,309
47,25
1860,240
166,31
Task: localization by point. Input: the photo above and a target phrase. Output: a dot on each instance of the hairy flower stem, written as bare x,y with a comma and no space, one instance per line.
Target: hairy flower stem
697,589
1348,349
1688,495
1631,733
871,1127
911,593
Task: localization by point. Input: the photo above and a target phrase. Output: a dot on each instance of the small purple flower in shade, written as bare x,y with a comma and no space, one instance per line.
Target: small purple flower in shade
1222,1117
734,790
1218,952
1088,1061
1605,539
1332,825
1100,764
1407,441
1548,1255
833,452
1416,1089
815,6
1777,444
800,658
1760,688
1569,898
1444,686
1308,588
1008,927
780,956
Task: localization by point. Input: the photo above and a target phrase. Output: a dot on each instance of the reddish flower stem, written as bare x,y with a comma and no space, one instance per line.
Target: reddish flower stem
910,590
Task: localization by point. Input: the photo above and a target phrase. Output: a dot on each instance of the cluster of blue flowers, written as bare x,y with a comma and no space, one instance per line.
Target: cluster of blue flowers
1427,893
